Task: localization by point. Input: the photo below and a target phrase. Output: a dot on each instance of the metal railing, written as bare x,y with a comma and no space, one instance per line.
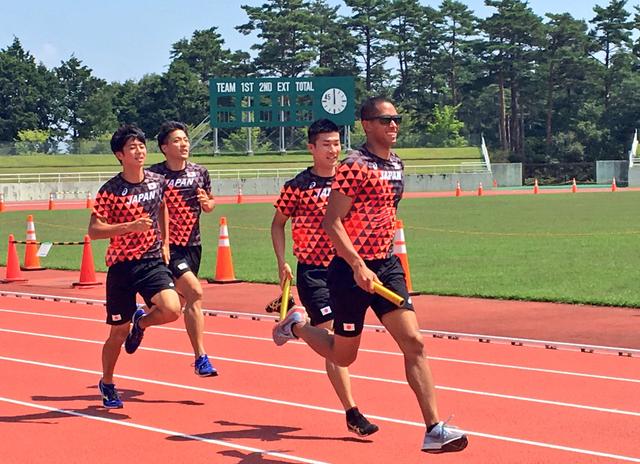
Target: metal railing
41,177
248,173
469,167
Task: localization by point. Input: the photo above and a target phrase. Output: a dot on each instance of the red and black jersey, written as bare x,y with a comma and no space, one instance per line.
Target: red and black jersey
375,186
119,201
304,199
181,197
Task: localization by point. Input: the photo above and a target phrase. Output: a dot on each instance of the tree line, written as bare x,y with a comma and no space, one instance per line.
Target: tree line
540,89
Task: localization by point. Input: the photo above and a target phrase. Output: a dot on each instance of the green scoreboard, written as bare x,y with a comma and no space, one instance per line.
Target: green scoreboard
281,102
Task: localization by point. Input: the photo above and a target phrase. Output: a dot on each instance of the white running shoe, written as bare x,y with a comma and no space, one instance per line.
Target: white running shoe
444,439
282,331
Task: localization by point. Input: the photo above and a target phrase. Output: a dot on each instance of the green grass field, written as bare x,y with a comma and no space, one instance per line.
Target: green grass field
107,162
579,248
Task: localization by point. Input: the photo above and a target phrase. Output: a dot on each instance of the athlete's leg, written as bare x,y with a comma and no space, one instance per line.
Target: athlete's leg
402,324
111,350
190,288
121,305
165,308
338,376
342,351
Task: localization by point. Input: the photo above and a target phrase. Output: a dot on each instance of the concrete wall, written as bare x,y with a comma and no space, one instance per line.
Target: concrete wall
507,174
229,187
445,182
608,169
634,176
41,191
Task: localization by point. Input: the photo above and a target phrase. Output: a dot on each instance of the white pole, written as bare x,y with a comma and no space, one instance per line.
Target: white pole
485,154
634,148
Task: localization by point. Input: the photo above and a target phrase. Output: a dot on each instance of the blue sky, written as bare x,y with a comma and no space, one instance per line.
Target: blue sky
125,39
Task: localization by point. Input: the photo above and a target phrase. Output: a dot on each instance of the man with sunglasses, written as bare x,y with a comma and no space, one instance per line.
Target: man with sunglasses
303,199
360,220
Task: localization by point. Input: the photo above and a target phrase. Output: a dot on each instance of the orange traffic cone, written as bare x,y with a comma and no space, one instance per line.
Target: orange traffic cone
536,189
31,259
1,202
224,264
89,203
13,273
458,189
239,197
52,204
614,187
87,269
400,250
574,186
480,189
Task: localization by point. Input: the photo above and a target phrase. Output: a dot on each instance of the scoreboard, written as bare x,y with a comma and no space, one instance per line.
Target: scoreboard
280,102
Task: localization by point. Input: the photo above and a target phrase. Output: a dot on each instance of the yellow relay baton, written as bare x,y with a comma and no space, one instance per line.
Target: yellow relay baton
284,303
388,294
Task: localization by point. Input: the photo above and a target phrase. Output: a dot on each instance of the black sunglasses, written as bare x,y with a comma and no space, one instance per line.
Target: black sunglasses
386,120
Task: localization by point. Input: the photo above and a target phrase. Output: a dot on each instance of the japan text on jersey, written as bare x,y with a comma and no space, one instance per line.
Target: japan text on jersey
119,201
181,197
375,186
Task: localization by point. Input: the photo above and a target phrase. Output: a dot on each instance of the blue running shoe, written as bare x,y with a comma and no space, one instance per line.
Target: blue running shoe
203,367
110,397
136,334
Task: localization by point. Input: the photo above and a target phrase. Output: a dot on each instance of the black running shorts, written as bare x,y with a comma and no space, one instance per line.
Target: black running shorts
350,302
184,259
146,277
311,282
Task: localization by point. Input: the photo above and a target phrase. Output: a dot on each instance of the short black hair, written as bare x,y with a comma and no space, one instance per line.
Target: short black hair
167,128
321,126
369,107
123,134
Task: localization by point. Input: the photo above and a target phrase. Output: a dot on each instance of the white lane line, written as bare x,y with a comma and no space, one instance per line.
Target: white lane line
366,350
353,376
484,338
220,443
328,410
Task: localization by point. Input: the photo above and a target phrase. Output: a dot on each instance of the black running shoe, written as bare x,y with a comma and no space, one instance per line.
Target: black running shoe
359,424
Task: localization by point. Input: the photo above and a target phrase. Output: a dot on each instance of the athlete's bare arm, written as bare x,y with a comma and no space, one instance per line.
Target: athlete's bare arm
278,241
206,200
99,228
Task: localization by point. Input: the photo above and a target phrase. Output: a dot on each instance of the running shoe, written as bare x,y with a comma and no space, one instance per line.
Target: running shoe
203,367
110,397
134,338
444,439
359,424
274,305
282,331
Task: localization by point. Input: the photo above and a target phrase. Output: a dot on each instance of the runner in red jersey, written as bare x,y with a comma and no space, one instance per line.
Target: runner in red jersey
360,220
187,194
129,211
303,199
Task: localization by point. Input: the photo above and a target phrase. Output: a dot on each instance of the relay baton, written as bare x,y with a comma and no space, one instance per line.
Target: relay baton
286,290
388,294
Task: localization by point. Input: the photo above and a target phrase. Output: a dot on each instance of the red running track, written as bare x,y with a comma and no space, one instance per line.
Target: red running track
275,405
